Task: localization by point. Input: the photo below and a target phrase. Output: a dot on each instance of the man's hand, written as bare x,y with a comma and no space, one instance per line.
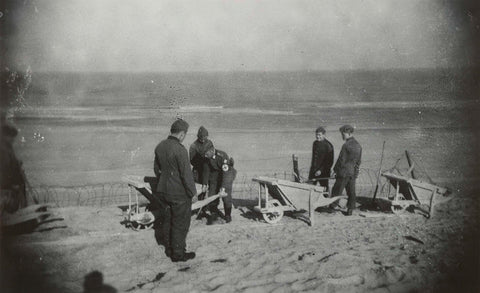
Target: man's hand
222,192
318,173
204,188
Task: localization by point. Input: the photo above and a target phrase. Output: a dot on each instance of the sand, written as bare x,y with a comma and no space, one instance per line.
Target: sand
385,253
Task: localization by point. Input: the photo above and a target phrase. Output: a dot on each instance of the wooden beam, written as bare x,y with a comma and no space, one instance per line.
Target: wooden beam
409,160
295,168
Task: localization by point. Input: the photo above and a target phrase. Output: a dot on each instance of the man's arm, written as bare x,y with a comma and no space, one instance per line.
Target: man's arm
156,167
340,164
193,154
358,161
185,172
313,165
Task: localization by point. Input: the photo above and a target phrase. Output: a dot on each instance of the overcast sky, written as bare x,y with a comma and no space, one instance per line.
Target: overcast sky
224,35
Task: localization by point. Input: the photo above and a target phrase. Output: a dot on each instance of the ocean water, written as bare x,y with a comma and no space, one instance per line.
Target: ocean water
88,128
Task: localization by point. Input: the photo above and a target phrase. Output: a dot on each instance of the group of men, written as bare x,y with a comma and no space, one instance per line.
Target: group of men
346,168
214,170
176,184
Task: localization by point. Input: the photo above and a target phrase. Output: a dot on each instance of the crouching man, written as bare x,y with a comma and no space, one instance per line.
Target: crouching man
219,171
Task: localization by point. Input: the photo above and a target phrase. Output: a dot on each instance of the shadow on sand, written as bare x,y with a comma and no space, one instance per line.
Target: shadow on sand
93,283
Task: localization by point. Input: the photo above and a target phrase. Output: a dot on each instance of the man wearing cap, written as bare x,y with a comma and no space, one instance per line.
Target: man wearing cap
219,172
197,155
322,159
175,191
12,180
347,167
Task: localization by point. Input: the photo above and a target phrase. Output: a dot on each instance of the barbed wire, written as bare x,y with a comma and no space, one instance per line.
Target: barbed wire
244,189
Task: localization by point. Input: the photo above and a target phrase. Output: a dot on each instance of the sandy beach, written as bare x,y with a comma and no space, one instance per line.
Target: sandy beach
92,87
77,157
380,253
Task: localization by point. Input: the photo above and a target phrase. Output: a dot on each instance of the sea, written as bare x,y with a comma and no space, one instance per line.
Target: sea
91,128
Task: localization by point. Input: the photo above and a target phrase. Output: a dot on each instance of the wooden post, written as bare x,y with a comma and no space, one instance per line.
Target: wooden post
259,195
266,194
432,203
410,164
397,189
136,198
311,208
296,173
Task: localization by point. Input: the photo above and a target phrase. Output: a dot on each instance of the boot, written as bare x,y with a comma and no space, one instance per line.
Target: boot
228,215
186,256
214,210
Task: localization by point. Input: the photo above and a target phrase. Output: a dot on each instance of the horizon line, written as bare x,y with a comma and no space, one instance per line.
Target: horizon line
264,71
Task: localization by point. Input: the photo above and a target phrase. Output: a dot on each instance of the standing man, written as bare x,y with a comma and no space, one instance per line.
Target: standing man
347,167
197,155
12,178
322,159
175,191
218,170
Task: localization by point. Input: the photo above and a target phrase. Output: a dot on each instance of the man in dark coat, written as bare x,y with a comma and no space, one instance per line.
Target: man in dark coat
175,191
322,159
347,167
220,173
12,180
197,154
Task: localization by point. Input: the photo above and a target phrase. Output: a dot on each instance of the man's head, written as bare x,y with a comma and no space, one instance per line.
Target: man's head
179,129
210,152
202,134
346,131
320,133
9,133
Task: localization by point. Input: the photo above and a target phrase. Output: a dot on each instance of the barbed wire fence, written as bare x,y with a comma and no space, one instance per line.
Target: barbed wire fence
244,190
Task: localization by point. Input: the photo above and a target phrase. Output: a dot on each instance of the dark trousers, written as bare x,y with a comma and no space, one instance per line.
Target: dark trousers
175,217
322,181
347,183
226,180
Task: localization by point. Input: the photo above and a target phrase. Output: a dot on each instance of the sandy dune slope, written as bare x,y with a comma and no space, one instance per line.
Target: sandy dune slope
340,254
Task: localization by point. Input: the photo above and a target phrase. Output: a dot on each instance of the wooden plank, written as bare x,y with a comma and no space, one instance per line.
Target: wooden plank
136,181
295,168
284,196
395,176
311,208
14,219
321,202
206,201
410,164
375,215
32,208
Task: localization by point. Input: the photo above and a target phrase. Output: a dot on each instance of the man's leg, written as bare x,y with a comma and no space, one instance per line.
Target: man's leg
164,229
180,223
339,186
228,178
324,183
350,187
213,189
